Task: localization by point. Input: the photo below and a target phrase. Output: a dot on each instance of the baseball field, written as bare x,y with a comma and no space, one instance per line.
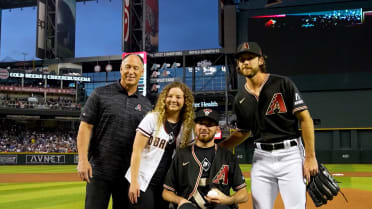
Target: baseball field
58,187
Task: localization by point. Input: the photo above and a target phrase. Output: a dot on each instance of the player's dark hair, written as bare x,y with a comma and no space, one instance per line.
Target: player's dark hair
263,66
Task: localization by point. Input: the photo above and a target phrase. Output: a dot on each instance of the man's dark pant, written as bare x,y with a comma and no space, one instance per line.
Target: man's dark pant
98,193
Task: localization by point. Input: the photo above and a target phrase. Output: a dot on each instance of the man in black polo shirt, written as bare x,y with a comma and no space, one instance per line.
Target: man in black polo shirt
270,107
106,133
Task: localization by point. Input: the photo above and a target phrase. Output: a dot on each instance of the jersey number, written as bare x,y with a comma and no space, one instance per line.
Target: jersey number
223,175
277,105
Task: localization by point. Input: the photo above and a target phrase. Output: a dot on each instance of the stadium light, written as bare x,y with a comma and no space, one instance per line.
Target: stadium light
165,65
155,66
175,65
108,67
97,68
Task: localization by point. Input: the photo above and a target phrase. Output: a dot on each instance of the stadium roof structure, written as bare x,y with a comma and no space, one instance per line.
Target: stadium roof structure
13,4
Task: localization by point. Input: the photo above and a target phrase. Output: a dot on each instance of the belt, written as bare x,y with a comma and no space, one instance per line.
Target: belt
275,146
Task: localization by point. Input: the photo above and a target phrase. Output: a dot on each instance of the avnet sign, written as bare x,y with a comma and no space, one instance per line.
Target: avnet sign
45,159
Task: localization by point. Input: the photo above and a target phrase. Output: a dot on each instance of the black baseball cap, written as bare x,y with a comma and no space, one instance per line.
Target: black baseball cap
207,113
249,47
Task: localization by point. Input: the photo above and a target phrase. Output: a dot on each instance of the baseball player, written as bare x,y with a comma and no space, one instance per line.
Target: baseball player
269,108
201,175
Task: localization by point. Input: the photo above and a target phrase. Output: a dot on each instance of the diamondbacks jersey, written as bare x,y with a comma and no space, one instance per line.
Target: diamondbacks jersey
114,116
184,175
270,116
154,149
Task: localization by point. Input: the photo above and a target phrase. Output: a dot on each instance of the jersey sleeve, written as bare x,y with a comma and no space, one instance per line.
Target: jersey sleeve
238,180
148,124
298,103
90,111
170,182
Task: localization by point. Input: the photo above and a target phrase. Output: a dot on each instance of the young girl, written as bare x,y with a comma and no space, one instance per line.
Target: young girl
168,126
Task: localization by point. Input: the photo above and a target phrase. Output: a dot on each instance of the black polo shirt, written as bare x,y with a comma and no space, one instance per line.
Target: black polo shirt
270,116
115,117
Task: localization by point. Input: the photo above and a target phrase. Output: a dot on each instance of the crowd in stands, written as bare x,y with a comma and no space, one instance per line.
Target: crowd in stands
60,103
16,138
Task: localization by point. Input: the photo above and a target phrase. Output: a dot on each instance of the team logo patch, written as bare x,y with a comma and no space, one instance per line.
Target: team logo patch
207,111
222,175
277,105
138,107
246,45
206,164
298,100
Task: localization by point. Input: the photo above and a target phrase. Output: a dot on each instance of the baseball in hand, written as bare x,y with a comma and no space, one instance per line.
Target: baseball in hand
212,193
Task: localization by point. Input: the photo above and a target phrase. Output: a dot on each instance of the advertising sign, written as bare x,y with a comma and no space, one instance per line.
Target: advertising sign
50,77
45,159
76,159
8,159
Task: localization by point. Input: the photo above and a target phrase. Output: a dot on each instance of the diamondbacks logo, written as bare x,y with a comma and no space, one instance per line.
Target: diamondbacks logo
138,107
206,164
245,45
222,174
207,111
277,105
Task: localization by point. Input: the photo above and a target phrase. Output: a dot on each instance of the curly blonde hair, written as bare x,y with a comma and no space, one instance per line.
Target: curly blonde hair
186,114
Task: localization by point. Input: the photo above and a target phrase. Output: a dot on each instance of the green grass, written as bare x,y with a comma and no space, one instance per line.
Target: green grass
349,167
6,169
71,195
42,195
245,167
362,183
72,168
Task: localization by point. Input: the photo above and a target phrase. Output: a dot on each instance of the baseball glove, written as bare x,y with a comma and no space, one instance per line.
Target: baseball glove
322,187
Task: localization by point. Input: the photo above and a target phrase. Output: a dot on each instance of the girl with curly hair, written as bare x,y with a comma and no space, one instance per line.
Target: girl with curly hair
166,128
